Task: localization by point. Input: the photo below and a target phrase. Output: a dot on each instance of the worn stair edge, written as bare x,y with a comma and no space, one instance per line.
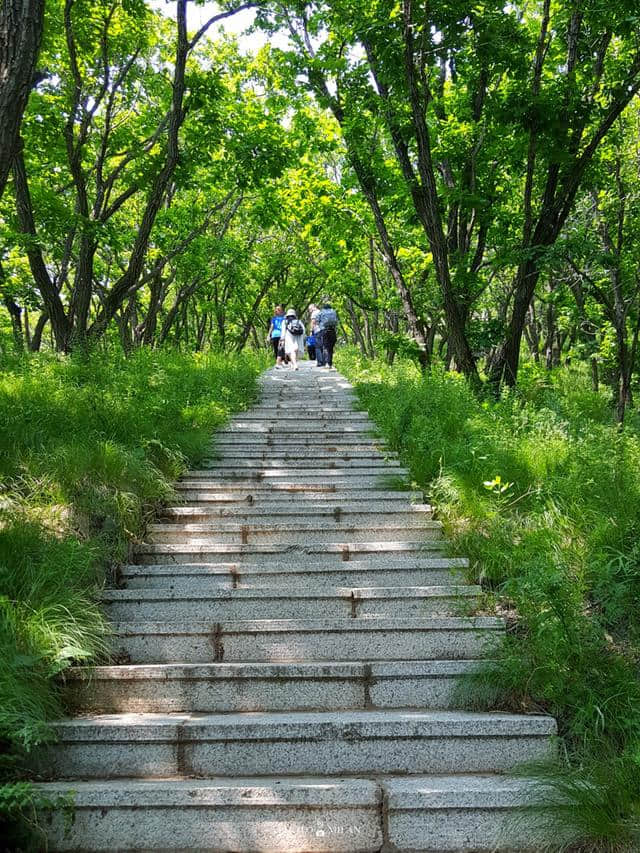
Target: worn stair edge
347,743
269,462
280,603
284,552
315,815
239,533
363,511
264,816
236,687
266,567
259,494
445,638
288,527
199,578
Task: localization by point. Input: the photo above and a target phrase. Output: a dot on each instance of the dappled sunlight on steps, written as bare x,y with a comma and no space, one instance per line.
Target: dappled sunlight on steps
290,643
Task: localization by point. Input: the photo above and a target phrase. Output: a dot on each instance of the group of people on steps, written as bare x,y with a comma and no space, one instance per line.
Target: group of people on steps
288,336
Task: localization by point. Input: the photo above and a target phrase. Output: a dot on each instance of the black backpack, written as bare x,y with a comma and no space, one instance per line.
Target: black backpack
295,327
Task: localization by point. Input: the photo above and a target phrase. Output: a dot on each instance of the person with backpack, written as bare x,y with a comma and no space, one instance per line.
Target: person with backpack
293,337
328,322
274,334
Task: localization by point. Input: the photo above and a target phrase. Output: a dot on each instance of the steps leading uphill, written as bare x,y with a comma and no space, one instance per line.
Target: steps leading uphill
291,638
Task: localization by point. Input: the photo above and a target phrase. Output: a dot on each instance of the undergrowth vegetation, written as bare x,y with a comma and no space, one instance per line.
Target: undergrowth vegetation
88,448
542,492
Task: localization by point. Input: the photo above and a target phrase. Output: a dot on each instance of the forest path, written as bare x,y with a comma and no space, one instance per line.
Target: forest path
293,635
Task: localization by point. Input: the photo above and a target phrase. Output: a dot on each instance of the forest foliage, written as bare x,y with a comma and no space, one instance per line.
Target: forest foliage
463,180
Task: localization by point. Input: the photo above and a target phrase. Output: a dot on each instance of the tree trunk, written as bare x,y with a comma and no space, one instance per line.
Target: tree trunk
532,334
550,322
427,206
15,312
357,332
48,291
21,23
623,373
36,338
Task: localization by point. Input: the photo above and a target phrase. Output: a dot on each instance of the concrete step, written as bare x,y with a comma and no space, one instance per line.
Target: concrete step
236,687
323,814
299,425
468,813
303,469
362,472
336,493
363,513
301,462
286,452
301,413
311,403
200,577
243,428
267,414
316,441
289,533
292,481
297,743
219,605
286,499
322,553
433,638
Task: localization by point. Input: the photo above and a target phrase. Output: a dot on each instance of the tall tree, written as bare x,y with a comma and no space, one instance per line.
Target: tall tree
585,71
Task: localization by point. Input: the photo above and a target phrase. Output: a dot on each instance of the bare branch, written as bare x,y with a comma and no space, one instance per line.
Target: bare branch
219,17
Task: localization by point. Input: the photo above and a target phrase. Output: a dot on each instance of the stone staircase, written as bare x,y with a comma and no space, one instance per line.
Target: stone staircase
290,640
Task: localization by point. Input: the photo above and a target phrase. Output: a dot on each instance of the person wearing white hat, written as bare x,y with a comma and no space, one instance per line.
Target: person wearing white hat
293,337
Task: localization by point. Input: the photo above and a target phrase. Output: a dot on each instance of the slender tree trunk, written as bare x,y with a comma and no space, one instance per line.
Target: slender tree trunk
36,338
15,312
550,322
254,336
623,372
532,334
357,332
201,331
429,211
416,327
48,291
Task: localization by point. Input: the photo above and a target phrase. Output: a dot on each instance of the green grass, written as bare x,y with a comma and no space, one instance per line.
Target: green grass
88,449
542,492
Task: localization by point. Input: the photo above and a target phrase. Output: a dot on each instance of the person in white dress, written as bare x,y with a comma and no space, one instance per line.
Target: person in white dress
293,343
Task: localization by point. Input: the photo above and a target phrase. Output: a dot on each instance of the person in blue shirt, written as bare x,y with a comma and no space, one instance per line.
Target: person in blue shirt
311,346
274,335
